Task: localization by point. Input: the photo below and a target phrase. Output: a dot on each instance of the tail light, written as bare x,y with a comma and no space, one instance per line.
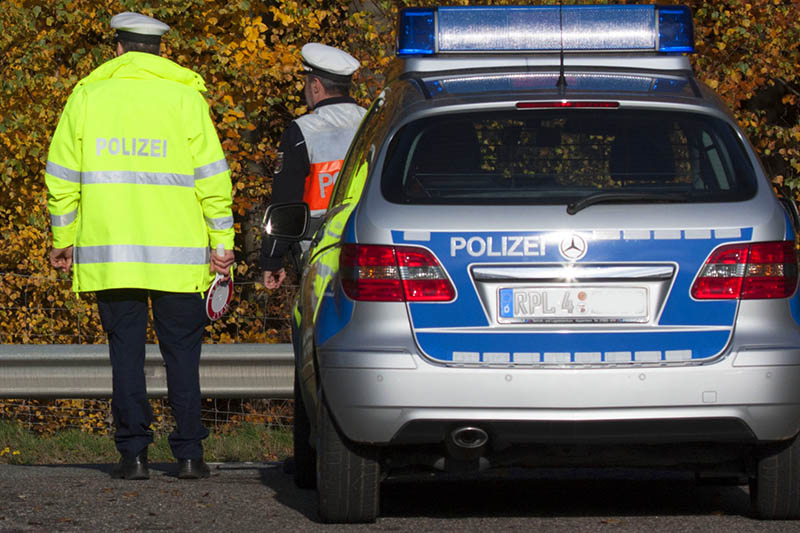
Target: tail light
749,272
393,274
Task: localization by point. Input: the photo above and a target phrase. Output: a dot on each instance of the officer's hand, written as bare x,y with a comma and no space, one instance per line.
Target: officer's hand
61,258
222,265
273,280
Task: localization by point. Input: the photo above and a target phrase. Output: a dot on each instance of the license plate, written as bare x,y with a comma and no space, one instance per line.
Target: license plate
607,304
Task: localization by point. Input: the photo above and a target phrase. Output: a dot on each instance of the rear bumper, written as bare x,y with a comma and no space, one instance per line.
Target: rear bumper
392,397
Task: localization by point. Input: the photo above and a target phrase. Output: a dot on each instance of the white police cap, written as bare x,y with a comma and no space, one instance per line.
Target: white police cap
137,27
328,62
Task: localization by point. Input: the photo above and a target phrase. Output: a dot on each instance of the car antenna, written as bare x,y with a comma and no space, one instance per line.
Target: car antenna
562,80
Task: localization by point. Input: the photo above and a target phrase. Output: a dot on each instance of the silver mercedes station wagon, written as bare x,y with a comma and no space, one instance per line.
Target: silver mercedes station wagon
550,245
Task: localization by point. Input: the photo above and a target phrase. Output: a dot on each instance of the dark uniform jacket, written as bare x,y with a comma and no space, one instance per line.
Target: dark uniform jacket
310,156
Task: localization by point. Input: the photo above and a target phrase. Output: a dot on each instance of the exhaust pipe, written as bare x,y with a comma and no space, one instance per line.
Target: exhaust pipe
469,438
465,447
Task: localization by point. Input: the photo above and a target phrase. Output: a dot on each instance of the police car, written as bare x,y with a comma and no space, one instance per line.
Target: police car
549,245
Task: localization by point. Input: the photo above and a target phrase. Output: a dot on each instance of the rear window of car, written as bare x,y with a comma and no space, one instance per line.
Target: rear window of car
562,155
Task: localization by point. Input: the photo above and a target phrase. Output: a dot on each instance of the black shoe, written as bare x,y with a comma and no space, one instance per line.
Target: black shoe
193,469
132,467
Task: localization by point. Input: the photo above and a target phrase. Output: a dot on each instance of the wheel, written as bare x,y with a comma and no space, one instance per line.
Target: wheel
348,475
305,458
775,491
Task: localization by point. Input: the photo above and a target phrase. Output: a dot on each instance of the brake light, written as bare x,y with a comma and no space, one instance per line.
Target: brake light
749,272
381,273
566,103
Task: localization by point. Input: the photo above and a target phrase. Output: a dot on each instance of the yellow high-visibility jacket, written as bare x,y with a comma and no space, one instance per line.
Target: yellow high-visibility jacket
137,180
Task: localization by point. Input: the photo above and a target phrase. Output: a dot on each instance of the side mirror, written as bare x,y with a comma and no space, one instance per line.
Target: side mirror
286,221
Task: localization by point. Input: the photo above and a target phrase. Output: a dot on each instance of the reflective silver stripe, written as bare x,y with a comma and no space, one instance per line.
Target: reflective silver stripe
324,273
329,129
211,169
157,255
137,178
62,172
63,220
220,223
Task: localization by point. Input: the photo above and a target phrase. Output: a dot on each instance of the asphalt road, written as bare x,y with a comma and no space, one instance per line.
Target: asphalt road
261,497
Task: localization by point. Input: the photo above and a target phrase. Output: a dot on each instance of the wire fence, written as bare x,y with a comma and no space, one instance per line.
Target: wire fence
46,417
39,309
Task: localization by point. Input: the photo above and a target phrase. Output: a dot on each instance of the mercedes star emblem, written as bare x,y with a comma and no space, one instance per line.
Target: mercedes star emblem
573,247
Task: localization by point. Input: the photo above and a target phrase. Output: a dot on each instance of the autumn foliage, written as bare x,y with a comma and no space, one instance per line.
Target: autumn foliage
248,54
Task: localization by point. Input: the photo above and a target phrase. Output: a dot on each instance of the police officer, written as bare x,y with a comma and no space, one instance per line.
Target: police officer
312,148
139,193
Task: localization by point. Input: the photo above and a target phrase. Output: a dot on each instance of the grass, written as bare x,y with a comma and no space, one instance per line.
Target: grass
248,442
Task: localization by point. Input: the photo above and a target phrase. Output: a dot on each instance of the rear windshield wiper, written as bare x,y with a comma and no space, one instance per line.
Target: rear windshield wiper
623,197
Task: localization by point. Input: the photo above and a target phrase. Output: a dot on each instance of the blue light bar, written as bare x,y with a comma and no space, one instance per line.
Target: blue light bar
581,28
675,29
415,32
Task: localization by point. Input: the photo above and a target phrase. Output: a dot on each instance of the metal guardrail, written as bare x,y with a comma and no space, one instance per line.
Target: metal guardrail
84,371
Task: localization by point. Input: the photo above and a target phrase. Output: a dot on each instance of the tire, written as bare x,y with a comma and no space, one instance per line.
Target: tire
305,458
348,475
775,491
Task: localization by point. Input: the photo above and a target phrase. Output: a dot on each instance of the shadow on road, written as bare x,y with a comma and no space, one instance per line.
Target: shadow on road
156,469
563,494
287,493
536,493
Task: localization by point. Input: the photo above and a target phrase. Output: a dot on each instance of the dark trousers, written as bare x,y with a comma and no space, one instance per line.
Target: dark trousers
179,320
